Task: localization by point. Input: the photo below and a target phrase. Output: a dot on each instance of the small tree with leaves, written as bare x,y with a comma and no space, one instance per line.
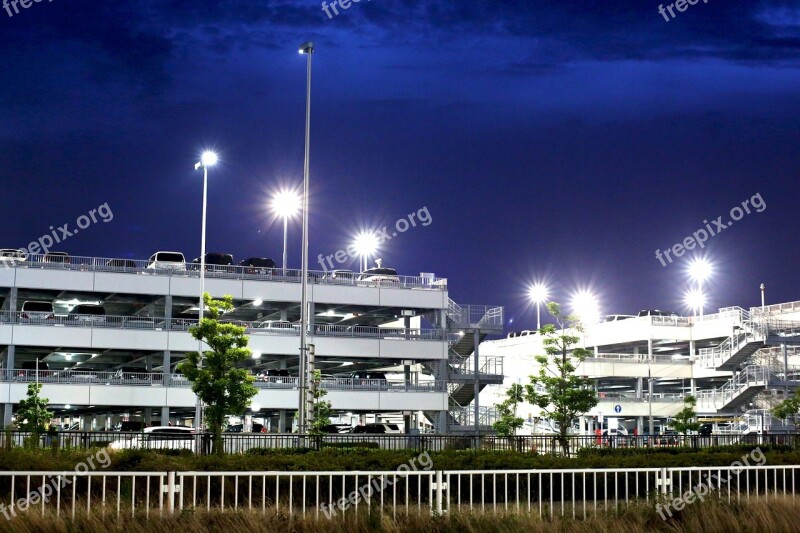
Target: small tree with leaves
219,384
321,410
508,422
788,408
556,390
685,420
32,413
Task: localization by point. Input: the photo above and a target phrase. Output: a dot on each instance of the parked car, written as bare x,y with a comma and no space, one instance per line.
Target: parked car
95,314
617,318
56,258
371,379
667,438
37,312
258,265
215,262
335,429
27,370
377,429
11,256
341,276
122,264
174,261
239,428
159,438
656,312
129,425
278,326
379,276
274,375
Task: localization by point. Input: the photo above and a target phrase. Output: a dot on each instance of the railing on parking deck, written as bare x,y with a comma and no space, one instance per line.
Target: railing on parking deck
252,327
144,267
90,377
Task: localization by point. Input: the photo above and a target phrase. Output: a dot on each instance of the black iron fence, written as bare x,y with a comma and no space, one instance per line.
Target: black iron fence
187,439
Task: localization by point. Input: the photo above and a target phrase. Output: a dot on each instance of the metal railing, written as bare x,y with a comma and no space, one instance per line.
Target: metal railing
637,358
144,267
750,376
776,309
578,493
89,377
252,327
487,365
235,443
475,316
750,332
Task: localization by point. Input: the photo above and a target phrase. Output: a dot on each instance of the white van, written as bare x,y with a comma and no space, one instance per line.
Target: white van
174,261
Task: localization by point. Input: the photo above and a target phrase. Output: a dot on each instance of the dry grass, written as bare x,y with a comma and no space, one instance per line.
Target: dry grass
774,515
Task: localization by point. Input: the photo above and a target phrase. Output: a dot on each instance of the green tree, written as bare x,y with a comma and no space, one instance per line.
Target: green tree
684,421
788,408
224,388
556,390
321,411
32,413
508,422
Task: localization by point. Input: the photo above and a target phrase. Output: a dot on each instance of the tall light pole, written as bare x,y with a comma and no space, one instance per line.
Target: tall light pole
762,300
286,204
538,294
208,159
694,300
308,49
700,269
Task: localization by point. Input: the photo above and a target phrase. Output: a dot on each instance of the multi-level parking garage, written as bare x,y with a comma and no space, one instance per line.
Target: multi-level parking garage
738,363
98,370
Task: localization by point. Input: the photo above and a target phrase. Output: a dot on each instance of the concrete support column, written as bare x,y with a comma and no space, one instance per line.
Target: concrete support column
693,387
165,416
10,355
12,303
639,388
148,416
166,368
477,383
168,311
640,425
8,411
692,350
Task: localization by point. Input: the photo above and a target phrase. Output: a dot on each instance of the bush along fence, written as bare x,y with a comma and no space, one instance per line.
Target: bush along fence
235,443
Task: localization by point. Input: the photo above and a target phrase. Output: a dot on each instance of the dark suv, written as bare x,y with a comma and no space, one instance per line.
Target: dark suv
262,266
370,379
215,262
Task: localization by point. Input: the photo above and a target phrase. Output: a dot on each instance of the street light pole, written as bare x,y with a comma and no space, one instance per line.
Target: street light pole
285,235
207,159
308,49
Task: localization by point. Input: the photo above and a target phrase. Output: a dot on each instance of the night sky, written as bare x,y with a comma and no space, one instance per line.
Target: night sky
556,140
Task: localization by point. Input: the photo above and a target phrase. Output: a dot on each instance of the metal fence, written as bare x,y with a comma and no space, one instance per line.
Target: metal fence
416,488
235,443
145,267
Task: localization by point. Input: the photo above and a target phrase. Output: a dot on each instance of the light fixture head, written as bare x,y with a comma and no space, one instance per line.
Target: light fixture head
700,269
538,293
209,158
306,48
286,203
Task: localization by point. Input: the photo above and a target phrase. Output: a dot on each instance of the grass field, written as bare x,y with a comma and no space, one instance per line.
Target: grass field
776,515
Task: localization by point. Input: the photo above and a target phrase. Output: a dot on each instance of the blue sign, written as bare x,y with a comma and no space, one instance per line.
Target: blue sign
617,408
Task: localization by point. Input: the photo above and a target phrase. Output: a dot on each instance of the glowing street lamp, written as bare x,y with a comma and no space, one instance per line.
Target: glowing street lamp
538,294
208,159
366,245
694,300
586,307
700,269
286,204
